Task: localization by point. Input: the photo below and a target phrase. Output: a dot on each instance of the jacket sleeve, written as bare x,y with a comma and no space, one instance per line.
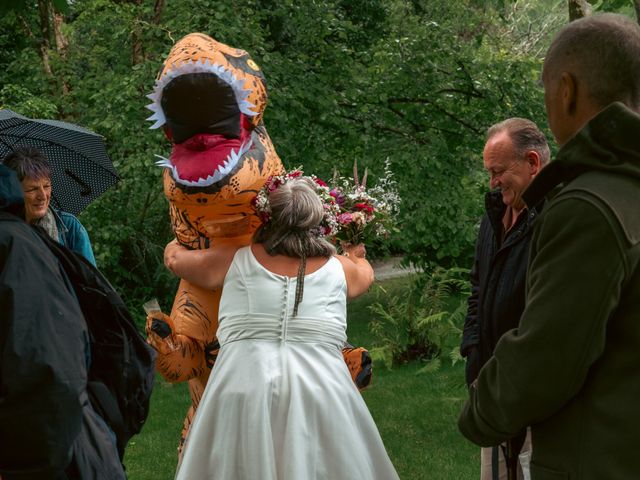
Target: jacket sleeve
575,279
471,329
43,348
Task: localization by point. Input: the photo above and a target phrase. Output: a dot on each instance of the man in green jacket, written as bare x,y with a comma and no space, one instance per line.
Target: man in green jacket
571,370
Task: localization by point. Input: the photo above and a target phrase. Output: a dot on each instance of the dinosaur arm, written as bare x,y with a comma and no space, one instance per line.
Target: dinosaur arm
186,340
180,357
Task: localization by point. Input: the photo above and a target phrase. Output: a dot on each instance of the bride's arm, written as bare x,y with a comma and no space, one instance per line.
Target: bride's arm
357,270
203,268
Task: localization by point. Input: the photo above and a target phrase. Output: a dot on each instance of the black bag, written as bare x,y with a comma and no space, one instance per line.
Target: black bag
122,367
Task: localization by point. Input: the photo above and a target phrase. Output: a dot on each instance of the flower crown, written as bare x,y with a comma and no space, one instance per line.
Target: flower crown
328,226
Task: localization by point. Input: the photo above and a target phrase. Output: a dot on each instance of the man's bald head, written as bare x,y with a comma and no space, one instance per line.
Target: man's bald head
602,53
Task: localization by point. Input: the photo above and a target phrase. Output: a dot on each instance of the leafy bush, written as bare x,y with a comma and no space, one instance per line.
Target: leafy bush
423,325
416,82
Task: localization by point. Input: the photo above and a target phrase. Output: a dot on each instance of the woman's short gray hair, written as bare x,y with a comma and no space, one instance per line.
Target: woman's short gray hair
28,162
296,214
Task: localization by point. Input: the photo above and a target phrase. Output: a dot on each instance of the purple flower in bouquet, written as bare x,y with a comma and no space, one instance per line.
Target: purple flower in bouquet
337,194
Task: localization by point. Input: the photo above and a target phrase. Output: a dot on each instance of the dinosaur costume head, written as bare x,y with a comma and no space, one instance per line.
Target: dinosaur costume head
210,98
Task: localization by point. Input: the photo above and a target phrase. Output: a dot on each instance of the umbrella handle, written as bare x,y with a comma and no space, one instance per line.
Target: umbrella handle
86,189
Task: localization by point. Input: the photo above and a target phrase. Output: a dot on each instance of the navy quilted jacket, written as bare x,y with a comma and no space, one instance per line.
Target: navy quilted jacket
498,279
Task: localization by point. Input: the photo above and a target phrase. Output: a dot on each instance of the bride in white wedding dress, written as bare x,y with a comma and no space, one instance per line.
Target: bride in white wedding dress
280,403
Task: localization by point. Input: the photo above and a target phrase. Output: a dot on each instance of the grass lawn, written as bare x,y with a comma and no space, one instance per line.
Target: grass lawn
416,416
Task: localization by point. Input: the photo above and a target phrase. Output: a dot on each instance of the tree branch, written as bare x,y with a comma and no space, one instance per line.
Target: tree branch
26,28
473,93
426,101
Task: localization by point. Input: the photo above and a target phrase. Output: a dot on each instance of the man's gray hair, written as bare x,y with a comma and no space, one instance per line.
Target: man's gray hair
525,136
601,51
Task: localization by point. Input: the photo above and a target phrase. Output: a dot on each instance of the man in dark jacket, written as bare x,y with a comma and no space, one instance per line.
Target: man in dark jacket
514,153
48,429
570,370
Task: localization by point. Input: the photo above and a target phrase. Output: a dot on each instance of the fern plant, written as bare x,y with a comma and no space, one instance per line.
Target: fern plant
426,324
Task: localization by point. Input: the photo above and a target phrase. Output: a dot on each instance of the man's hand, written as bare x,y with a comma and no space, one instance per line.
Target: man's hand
472,367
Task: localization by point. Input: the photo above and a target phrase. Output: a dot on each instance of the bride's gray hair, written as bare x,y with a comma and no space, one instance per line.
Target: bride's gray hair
293,228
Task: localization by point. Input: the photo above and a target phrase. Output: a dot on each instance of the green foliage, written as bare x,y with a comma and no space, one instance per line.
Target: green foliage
23,101
617,6
421,91
425,324
7,6
416,81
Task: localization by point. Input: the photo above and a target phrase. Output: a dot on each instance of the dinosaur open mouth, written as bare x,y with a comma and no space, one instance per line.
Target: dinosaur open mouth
204,109
205,159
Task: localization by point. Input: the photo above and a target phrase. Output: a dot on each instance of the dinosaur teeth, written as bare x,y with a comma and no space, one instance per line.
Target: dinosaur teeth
163,162
226,75
221,172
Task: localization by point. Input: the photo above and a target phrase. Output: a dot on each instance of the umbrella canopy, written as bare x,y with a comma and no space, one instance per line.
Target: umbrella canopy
81,170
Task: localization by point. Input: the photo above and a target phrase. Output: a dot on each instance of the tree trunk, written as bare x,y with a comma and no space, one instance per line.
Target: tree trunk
57,19
61,45
137,51
579,9
61,41
44,12
159,6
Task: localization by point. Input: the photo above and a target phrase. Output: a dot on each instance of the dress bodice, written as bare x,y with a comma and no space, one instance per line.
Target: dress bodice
258,304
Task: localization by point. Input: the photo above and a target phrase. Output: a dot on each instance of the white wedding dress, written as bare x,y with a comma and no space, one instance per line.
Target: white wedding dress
280,403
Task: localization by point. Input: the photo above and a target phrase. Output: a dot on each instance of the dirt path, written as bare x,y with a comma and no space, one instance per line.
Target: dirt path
390,268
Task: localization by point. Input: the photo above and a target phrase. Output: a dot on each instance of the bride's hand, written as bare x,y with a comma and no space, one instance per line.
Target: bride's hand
354,251
170,252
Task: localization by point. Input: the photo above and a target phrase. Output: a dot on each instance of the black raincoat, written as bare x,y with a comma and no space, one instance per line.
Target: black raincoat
48,429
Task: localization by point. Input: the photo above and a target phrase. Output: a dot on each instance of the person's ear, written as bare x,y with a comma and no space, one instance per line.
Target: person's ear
534,163
568,93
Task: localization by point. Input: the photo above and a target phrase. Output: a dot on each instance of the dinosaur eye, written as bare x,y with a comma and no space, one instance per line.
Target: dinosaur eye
253,65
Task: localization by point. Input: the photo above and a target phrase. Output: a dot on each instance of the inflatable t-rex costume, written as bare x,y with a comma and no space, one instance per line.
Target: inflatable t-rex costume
210,98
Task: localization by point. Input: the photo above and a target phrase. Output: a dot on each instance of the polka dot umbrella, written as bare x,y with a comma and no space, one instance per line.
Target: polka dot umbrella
81,170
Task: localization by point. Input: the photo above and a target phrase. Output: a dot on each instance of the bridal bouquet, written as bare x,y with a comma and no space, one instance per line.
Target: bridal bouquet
353,213
365,213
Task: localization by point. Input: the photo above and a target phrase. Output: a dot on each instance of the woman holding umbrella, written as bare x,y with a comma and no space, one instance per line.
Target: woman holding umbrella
34,172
